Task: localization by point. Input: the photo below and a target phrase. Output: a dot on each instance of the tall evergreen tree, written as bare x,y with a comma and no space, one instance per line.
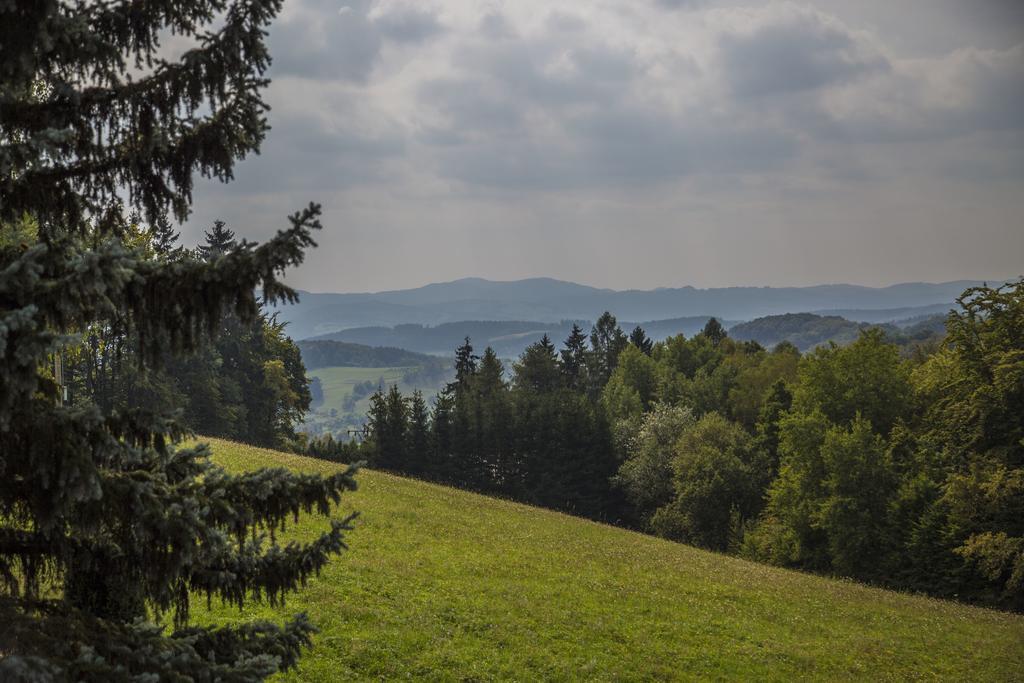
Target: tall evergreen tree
640,340
574,358
164,238
219,241
606,342
105,525
417,450
714,332
442,438
492,422
465,363
538,368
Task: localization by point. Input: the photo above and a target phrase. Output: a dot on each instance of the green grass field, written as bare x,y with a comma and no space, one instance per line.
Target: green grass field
338,383
441,584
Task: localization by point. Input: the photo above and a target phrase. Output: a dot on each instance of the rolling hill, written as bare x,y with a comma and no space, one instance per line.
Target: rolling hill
807,330
441,584
324,353
550,301
508,338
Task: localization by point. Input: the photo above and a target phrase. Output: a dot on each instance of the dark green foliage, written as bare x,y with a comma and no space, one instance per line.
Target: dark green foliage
219,241
640,340
574,359
866,378
248,383
326,447
106,526
387,427
418,443
974,425
316,392
776,404
536,439
714,332
606,343
465,363
538,369
714,479
326,354
803,330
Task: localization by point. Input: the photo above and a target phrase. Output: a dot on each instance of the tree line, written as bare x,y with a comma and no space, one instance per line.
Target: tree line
246,381
902,470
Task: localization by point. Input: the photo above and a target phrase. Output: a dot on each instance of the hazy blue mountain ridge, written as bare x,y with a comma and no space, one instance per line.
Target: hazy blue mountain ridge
551,301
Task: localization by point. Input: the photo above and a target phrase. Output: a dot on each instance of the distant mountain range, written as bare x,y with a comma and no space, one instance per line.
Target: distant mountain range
508,338
552,301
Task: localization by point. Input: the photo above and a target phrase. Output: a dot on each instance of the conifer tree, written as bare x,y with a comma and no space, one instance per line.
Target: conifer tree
537,369
640,340
219,241
606,342
491,421
393,433
714,332
442,437
574,358
418,436
164,238
465,363
107,528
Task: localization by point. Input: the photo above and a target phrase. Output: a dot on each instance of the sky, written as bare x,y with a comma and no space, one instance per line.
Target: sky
641,143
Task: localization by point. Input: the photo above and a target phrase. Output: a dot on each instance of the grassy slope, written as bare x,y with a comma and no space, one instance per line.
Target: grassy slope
338,382
443,584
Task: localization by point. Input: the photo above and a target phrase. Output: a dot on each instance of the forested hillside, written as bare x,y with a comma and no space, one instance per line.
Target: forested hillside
807,330
508,338
803,330
898,465
322,353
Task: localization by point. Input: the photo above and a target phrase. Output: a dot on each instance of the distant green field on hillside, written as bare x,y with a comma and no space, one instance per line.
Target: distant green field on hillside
441,584
338,384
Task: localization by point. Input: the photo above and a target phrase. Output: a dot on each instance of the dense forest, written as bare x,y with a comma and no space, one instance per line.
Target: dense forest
247,382
900,469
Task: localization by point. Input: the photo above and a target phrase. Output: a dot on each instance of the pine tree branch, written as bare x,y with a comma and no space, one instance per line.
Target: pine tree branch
50,640
257,572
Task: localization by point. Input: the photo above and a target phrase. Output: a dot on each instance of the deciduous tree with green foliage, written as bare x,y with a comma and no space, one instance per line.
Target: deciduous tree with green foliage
107,529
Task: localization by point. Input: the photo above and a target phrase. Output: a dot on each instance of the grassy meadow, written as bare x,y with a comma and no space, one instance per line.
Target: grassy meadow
338,384
440,584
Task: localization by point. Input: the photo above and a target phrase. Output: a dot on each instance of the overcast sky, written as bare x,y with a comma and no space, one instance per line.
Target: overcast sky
642,143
